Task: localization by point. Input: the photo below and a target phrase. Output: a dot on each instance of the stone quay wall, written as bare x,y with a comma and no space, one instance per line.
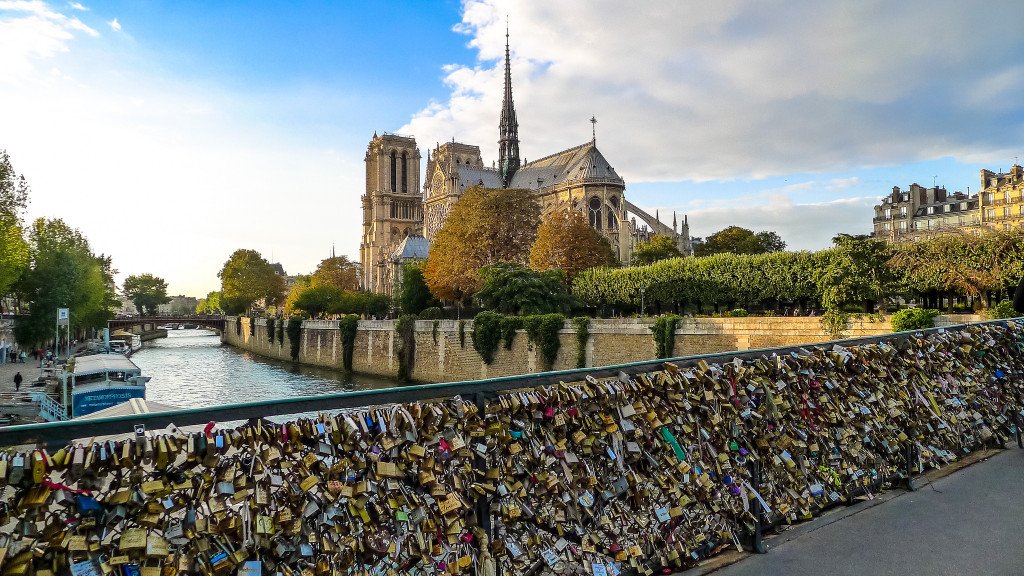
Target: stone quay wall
442,356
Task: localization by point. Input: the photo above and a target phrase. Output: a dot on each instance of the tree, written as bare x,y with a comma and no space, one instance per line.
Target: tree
337,271
513,289
301,283
210,304
566,241
64,274
486,226
740,241
14,250
146,292
317,300
413,295
658,248
856,271
247,278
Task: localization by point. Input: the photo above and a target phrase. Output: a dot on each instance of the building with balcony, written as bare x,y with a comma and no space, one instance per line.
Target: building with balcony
1001,206
920,212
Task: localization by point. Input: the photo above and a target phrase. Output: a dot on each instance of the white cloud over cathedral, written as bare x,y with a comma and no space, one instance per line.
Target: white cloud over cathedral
722,90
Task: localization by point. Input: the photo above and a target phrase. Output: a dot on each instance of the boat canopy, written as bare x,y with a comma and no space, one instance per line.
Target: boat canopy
103,364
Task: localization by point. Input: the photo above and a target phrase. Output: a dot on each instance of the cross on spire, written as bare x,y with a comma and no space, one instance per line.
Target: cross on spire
593,129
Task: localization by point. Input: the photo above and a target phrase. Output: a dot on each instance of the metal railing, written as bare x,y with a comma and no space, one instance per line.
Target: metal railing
60,433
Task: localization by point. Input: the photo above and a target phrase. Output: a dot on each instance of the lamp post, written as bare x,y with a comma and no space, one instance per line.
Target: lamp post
643,290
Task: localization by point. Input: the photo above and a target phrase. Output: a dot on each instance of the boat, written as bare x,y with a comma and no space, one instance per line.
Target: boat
127,343
190,326
101,381
181,326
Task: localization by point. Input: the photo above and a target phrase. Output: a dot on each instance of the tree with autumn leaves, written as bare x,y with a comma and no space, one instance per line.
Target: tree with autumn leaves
567,242
494,226
486,226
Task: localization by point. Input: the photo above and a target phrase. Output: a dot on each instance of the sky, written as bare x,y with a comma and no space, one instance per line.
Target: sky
173,133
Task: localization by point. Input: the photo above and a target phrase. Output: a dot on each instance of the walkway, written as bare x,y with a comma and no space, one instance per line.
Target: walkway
969,522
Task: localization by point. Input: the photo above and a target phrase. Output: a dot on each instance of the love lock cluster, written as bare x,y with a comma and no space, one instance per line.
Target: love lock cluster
629,474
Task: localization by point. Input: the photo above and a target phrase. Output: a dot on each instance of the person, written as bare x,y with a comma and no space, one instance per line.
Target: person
24,356
17,382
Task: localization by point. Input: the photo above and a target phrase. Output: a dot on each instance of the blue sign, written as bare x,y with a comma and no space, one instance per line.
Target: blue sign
83,403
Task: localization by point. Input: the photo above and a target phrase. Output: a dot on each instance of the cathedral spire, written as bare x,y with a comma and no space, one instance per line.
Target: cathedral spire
508,127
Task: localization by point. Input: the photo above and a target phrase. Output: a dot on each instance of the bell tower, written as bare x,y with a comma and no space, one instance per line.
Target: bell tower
392,205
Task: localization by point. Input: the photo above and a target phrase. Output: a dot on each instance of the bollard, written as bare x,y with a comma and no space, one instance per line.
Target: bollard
911,466
755,507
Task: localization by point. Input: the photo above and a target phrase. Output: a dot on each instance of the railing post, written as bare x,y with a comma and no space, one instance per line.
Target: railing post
755,482
911,465
483,502
1016,429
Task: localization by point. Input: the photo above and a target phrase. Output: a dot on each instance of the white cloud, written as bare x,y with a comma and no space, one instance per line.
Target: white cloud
31,30
115,25
78,6
741,89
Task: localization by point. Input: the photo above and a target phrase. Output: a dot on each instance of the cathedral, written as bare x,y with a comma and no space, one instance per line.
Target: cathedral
399,221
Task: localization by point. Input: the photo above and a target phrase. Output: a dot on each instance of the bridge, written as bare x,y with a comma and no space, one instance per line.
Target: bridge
149,323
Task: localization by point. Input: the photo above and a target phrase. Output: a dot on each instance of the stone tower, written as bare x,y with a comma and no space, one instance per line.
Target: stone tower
392,205
508,128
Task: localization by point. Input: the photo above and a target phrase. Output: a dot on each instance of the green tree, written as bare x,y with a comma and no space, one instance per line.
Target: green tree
337,271
486,226
247,278
64,274
514,289
14,250
413,295
146,291
740,241
856,271
658,248
210,304
301,283
317,300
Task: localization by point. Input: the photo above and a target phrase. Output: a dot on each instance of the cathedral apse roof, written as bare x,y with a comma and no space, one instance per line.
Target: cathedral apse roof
578,164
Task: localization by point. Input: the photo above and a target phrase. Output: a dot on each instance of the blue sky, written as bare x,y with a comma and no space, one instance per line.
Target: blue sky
173,133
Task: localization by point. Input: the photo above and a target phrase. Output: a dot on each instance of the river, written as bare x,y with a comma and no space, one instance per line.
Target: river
192,369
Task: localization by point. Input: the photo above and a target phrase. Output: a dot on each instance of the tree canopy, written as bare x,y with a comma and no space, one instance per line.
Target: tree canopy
247,278
739,240
146,291
514,289
64,274
413,295
566,241
337,271
484,227
301,283
317,300
14,250
210,304
659,247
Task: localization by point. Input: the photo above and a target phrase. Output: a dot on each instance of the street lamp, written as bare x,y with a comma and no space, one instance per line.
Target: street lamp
643,290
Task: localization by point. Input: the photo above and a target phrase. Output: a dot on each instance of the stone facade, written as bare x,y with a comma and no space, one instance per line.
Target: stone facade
919,212
1002,198
441,357
392,206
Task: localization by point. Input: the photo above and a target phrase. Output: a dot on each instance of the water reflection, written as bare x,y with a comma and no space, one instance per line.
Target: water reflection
192,369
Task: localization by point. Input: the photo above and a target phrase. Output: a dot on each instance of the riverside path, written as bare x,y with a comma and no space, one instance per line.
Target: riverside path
969,522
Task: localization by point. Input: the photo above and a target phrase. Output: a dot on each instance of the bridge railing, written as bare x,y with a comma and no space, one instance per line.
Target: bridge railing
56,433
654,465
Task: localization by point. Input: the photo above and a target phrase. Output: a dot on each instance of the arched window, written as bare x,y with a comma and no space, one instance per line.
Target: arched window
405,172
394,210
595,212
394,171
613,223
614,201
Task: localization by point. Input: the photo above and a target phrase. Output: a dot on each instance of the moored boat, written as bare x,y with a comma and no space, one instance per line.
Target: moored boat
101,381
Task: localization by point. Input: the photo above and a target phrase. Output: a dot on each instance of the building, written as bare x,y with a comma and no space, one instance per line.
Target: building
580,177
920,212
1001,206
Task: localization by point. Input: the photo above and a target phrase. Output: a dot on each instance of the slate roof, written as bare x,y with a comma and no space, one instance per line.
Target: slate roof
579,163
412,247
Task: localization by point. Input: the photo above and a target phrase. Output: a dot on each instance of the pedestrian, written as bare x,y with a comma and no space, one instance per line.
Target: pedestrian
17,382
24,356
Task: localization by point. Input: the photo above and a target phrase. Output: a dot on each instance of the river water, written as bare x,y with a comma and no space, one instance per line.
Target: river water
192,369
